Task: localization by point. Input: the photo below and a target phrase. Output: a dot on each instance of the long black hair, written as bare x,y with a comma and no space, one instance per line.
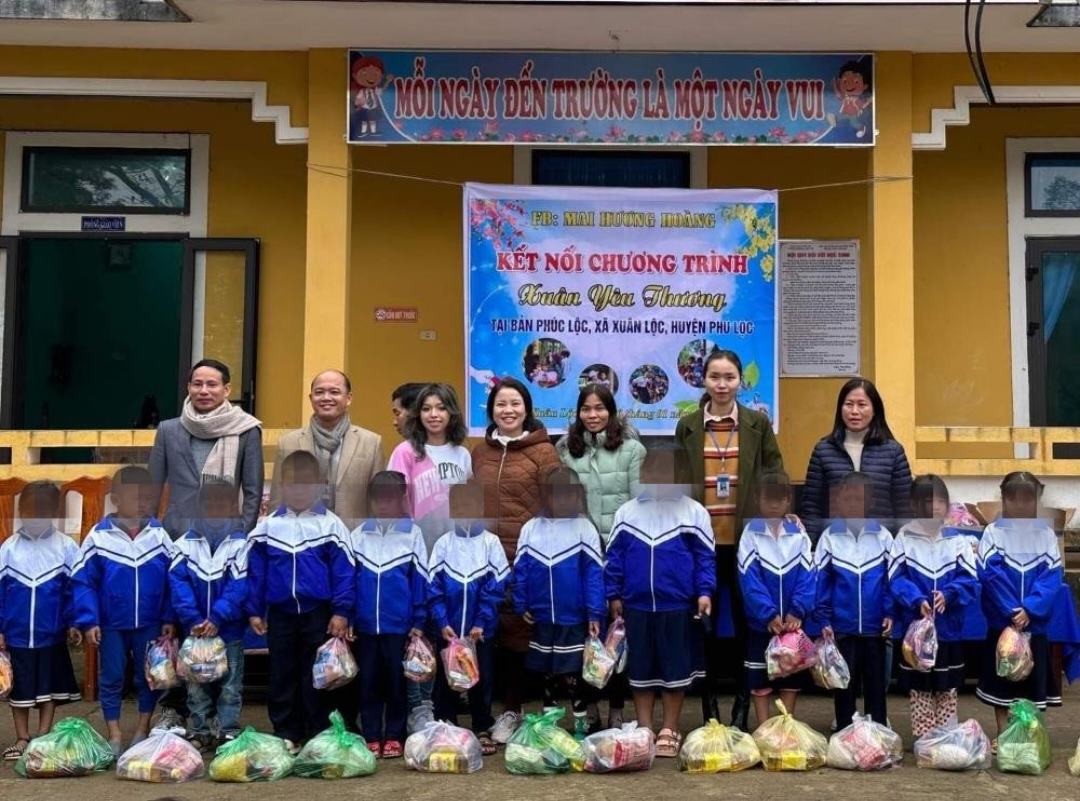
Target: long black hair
613,433
508,382
715,355
414,430
923,491
878,432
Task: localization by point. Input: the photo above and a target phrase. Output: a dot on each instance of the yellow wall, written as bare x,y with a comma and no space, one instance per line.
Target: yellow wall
395,261
257,189
962,342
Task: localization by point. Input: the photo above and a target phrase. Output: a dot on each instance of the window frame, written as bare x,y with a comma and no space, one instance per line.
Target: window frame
1051,156
29,151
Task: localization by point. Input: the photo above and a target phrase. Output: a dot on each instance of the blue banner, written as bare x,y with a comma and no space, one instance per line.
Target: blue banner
628,288
573,98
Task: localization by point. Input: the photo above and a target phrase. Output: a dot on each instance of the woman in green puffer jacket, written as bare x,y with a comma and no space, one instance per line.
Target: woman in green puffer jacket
604,451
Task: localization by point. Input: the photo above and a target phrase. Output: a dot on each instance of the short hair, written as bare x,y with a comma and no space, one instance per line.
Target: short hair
42,495
300,462
1021,480
131,474
406,394
387,482
469,495
855,478
925,488
348,382
774,484
563,476
214,364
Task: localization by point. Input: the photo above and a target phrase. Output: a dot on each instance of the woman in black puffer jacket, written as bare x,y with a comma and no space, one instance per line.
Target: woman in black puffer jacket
860,440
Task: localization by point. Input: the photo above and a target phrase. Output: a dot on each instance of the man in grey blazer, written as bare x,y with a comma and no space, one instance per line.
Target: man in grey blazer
348,454
211,439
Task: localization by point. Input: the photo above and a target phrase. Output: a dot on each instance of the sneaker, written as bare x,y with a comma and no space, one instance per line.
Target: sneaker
505,725
169,719
581,727
292,747
421,715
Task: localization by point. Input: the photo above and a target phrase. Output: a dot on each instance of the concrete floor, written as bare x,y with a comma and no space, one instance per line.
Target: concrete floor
662,782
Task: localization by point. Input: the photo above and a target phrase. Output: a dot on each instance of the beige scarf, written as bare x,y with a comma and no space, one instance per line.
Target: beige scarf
224,424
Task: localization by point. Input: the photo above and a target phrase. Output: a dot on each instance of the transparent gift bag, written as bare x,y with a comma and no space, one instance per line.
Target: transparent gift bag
1014,659
961,747
251,757
788,653
163,757
920,645
442,748
72,748
864,745
203,660
629,748
460,663
830,670
420,663
7,675
335,666
160,664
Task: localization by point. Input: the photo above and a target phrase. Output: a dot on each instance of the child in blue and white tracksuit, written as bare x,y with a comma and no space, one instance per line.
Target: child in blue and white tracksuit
660,574
468,573
778,584
1021,573
391,605
558,587
122,595
853,601
36,612
932,575
300,589
208,585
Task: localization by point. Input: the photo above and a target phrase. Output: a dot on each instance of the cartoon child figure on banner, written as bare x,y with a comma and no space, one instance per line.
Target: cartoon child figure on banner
369,78
852,88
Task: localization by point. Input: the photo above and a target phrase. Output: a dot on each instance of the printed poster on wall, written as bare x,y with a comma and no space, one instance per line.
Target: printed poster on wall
573,98
819,308
628,288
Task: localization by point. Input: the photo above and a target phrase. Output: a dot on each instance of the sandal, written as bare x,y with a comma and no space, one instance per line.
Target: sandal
391,749
375,747
667,744
15,750
993,747
487,745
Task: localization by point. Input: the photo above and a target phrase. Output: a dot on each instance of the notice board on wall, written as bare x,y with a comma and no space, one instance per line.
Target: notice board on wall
819,308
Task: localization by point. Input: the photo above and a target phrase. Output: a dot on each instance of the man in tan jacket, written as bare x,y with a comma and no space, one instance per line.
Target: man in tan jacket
348,454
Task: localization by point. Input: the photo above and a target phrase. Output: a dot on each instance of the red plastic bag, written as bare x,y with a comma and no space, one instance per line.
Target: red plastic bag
460,663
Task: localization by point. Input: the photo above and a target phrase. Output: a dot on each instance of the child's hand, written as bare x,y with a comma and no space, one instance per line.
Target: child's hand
3,643
827,633
939,601
258,625
704,605
350,635
448,633
792,623
528,618
93,635
615,608
594,628
793,518
339,626
74,637
925,610
415,632
205,629
776,625
886,627
476,634
1021,620
168,630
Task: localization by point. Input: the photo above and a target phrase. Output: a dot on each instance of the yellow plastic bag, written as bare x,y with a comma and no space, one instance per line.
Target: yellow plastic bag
715,748
788,744
1074,761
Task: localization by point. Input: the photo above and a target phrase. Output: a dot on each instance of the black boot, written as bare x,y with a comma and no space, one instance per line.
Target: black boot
740,711
710,706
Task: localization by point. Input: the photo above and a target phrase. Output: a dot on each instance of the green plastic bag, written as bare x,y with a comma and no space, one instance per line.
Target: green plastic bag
251,757
541,746
72,748
335,754
1024,746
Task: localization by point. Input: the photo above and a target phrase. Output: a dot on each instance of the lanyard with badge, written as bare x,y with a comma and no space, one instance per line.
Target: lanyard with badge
723,479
